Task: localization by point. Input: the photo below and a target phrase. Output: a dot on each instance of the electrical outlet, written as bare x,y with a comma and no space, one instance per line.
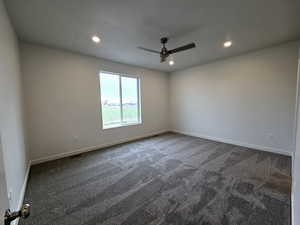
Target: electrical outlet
75,138
10,194
271,136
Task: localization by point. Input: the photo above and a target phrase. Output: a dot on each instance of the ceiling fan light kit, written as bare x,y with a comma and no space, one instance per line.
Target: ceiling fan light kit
165,53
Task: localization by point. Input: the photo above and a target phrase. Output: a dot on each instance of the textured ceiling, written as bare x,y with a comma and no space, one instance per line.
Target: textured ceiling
123,25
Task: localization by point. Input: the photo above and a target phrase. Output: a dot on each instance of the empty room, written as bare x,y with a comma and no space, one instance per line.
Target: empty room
149,112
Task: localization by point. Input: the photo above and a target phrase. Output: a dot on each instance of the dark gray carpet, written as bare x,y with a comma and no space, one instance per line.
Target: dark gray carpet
168,179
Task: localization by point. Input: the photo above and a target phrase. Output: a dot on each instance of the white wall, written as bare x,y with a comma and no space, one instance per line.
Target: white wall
296,164
247,100
4,204
11,110
63,105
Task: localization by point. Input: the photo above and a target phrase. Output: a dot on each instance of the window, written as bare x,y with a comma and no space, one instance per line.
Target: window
120,100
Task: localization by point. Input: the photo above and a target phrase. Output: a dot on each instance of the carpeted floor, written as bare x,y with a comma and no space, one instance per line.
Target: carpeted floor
168,179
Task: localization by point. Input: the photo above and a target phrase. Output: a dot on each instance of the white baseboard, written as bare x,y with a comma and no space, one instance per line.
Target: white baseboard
238,143
22,192
293,190
92,148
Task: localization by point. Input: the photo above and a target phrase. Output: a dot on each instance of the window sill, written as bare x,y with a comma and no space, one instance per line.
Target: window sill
121,125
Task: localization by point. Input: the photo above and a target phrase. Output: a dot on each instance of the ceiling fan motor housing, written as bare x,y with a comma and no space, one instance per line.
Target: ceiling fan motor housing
164,40
164,51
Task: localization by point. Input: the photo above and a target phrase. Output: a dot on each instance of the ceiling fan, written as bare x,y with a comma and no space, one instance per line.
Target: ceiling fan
164,53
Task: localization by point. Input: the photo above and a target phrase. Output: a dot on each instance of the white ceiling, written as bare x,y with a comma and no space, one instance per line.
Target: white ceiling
123,25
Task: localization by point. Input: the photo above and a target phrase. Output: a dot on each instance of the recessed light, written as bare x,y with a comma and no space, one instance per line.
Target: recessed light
227,44
171,62
96,39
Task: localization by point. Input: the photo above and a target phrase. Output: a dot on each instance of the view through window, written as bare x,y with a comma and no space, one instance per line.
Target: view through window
120,99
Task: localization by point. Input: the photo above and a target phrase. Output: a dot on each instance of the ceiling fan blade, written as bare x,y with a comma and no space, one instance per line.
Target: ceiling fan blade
182,48
149,50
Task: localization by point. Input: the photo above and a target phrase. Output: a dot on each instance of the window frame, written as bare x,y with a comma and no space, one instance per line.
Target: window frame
139,108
